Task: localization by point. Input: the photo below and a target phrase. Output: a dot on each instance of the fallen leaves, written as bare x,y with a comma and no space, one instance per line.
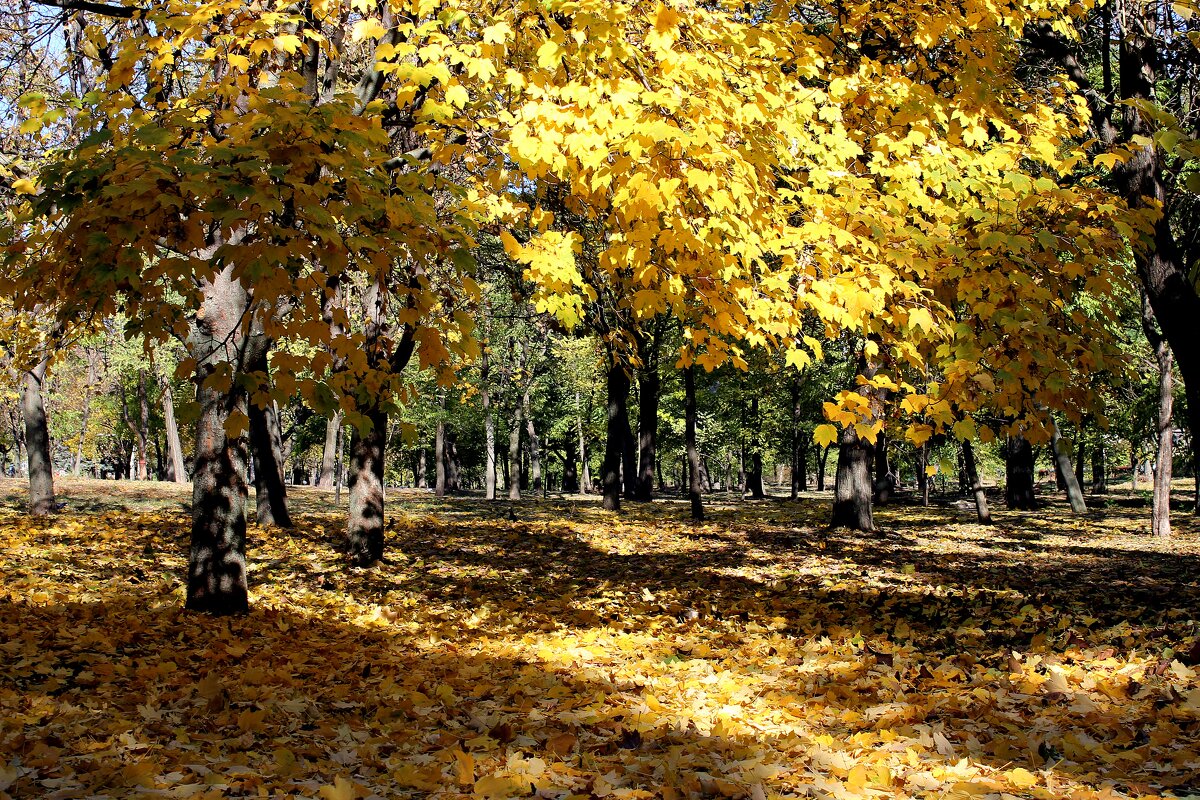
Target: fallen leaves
568,654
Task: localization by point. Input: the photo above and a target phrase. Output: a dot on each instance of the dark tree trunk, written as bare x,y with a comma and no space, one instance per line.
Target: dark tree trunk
1019,475
972,473
852,487
570,476
629,473
689,438
514,455
885,482
1099,469
618,424
419,476
329,452
176,471
535,443
37,440
647,433
799,444
821,467
453,465
266,442
1080,458
923,473
754,475
364,532
439,457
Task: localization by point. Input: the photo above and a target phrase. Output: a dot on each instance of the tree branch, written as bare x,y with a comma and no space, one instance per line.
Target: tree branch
103,9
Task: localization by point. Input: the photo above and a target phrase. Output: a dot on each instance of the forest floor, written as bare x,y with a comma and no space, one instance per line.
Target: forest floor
549,649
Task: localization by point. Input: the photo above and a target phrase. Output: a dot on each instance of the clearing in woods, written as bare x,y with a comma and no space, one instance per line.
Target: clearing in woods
550,649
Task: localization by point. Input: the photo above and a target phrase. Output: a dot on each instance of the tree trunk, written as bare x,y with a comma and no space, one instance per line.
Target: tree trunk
419,476
217,557
821,467
885,482
570,476
585,472
1099,469
650,385
689,438
1160,519
1019,475
489,429
453,465
329,453
535,444
614,446
270,490
514,455
972,472
923,473
37,440
439,455
629,473
1062,460
852,486
92,380
143,427
364,533
1080,457
177,472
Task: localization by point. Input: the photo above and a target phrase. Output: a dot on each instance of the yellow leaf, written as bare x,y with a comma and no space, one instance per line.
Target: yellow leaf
500,786
549,55
1021,778
464,764
341,789
24,186
825,435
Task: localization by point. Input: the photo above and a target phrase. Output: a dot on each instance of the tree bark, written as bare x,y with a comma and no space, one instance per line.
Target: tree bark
368,449
1019,475
514,454
217,581
419,476
439,455
821,467
143,427
329,452
570,476
270,489
972,471
689,437
885,482
585,471
1099,469
1062,460
535,444
923,473
489,427
1160,518
629,473
618,423
650,385
37,440
177,470
852,486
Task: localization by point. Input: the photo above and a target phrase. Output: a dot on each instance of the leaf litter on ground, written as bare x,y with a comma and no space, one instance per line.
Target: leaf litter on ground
549,649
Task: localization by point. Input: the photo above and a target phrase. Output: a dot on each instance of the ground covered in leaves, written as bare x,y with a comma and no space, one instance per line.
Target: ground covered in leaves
549,649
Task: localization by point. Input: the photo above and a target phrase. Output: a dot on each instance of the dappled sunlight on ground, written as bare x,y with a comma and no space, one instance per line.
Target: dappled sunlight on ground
550,648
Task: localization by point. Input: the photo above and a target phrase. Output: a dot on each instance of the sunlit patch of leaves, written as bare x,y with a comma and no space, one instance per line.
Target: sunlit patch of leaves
551,649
